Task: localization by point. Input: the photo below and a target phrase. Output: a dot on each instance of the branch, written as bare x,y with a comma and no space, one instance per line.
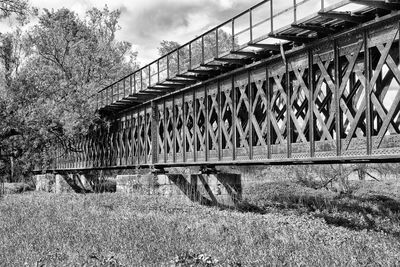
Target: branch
373,177
8,133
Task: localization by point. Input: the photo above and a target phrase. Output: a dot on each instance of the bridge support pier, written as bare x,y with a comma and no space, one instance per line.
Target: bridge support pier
71,182
44,182
220,189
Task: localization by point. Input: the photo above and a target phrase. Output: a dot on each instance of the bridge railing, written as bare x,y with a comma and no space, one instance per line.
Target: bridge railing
252,26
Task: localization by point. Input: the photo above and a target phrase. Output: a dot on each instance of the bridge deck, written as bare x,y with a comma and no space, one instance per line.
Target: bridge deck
248,37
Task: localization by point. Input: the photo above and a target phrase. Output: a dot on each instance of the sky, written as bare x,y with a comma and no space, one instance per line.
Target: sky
145,23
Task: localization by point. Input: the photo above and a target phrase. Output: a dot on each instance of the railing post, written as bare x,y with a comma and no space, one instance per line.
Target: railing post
177,56
233,35
149,73
216,42
124,88
141,80
272,15
158,71
251,24
190,56
130,84
168,66
202,49
112,94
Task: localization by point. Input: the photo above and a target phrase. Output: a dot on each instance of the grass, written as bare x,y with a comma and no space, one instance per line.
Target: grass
369,205
115,229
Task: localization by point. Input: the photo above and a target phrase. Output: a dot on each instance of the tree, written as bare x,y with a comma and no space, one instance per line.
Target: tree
167,46
18,9
52,84
10,7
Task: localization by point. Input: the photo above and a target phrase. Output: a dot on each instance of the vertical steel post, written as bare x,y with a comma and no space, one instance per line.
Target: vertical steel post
195,126
207,120
234,118
183,127
368,90
268,90
288,111
154,133
311,103
250,115
173,130
219,119
338,121
138,134
165,131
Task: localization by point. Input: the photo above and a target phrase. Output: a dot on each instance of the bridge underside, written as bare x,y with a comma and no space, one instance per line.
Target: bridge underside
335,100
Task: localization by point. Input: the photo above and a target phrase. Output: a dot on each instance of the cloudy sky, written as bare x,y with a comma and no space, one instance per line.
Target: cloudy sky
145,23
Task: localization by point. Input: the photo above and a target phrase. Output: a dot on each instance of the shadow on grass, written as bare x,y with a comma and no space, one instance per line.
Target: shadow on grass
376,212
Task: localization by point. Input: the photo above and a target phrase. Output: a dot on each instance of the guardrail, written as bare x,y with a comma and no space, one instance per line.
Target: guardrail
249,27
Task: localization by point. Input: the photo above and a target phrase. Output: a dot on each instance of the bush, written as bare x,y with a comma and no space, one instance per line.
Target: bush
17,188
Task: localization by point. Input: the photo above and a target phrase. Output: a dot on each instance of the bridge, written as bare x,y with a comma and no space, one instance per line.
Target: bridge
284,82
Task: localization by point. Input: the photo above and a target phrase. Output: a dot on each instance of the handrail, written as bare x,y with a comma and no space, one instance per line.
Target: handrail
181,59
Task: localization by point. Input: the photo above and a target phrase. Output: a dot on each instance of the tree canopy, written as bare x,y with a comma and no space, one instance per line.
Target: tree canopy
51,73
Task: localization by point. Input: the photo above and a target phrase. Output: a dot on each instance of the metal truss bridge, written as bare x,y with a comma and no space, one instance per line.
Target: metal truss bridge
284,82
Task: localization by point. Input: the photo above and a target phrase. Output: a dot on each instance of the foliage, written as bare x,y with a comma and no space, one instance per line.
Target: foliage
167,46
210,48
20,8
52,72
61,230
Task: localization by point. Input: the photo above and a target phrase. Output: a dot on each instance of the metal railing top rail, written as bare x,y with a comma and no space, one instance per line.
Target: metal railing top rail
252,25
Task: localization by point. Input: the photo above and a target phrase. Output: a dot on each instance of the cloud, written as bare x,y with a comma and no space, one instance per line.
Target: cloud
179,20
146,23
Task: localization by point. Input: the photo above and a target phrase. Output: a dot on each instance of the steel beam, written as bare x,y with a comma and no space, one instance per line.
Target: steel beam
345,16
387,5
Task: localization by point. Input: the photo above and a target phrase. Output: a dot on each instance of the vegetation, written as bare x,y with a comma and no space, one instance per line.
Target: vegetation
370,205
49,75
115,229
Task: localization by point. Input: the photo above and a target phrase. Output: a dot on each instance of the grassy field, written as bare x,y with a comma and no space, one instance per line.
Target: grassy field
39,229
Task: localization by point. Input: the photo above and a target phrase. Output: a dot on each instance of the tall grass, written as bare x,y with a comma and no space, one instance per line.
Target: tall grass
115,229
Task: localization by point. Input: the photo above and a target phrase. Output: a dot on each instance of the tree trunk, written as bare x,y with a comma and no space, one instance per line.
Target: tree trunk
12,169
343,180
